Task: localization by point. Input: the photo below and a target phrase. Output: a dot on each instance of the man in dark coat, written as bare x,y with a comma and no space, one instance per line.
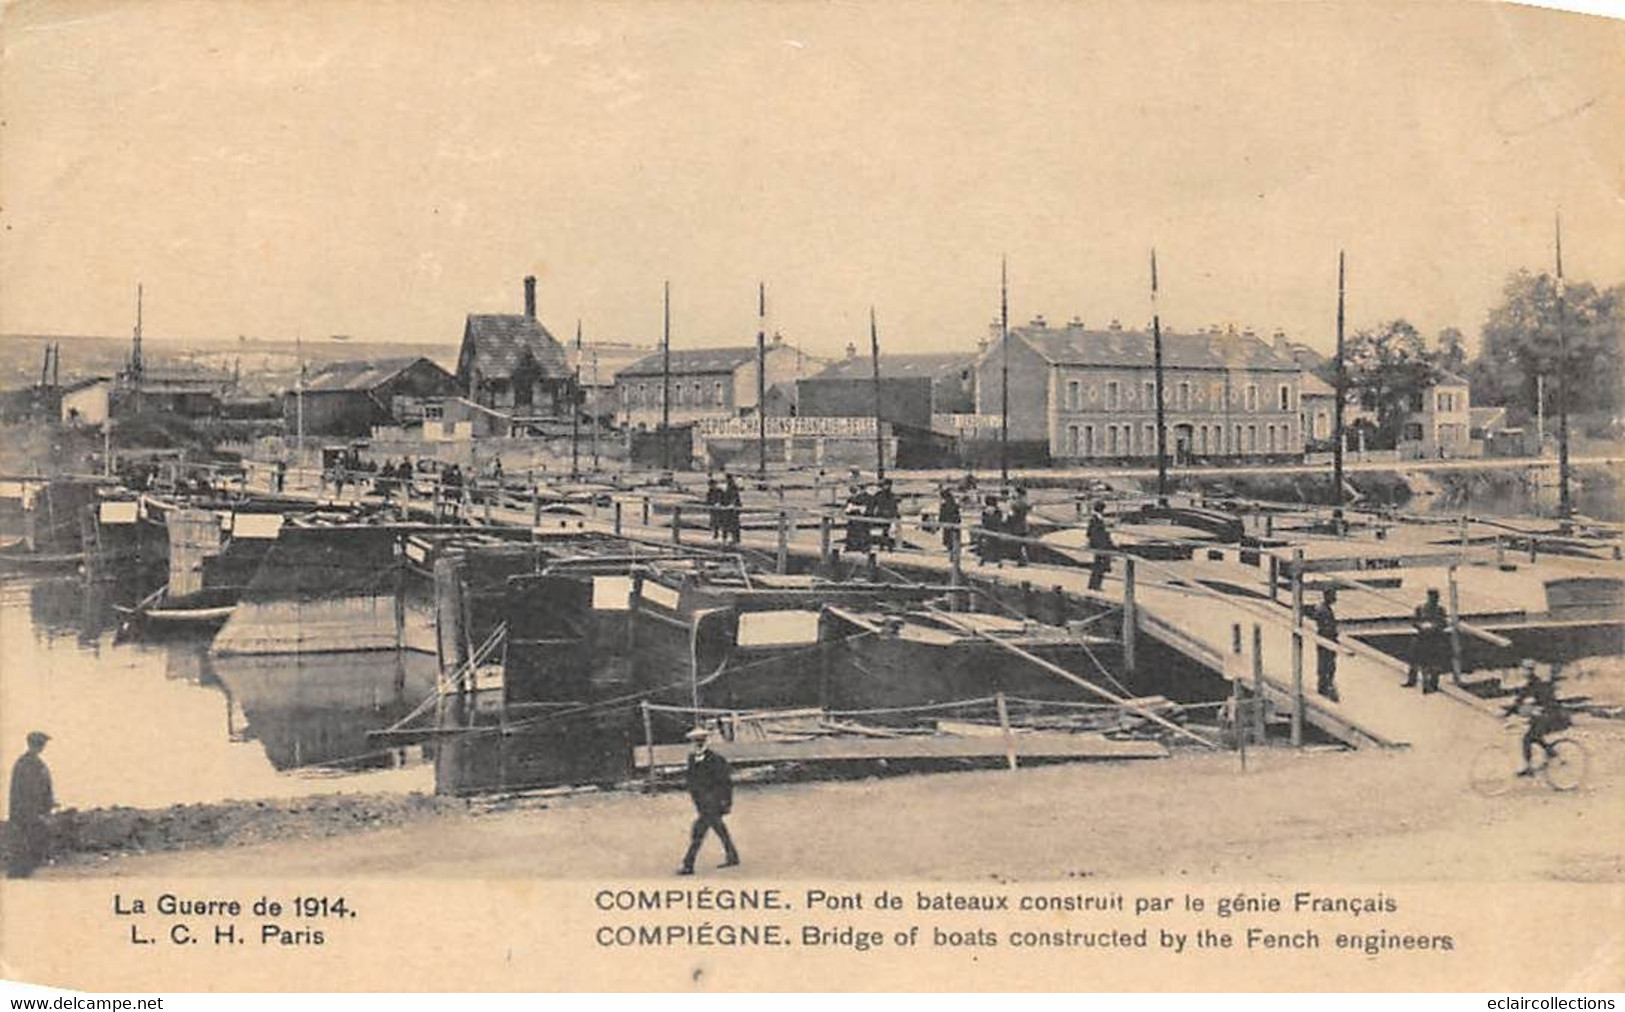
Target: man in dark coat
989,543
732,505
710,784
1016,524
884,507
31,801
1100,543
948,517
713,507
1431,651
1325,619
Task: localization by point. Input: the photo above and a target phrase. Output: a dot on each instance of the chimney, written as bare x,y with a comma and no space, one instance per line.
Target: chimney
530,296
1116,324
851,350
778,338
1038,321
1281,343
1076,323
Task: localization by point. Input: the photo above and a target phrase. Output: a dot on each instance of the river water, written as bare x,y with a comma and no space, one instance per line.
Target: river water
147,724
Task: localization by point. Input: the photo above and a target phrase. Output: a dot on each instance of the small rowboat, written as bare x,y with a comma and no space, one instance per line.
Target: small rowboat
204,610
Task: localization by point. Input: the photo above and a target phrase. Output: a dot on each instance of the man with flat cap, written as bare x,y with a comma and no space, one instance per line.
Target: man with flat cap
31,801
710,784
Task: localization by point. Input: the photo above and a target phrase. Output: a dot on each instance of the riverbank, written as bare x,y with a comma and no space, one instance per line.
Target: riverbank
1326,815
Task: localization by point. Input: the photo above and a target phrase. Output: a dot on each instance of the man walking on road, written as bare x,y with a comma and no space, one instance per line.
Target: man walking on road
710,785
32,799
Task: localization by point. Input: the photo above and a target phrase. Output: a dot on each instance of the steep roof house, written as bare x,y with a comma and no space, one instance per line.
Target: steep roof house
511,362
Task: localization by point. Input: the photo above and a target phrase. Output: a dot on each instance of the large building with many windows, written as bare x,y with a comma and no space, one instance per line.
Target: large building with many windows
704,383
1089,394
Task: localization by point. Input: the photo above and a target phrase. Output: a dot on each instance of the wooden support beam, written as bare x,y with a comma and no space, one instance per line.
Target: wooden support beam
1004,726
1131,618
1297,648
1056,669
1258,681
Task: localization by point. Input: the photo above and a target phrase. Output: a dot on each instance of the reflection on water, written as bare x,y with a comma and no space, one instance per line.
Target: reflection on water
152,723
1525,498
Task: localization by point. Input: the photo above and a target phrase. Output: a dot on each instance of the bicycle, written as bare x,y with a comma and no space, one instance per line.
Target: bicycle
1562,763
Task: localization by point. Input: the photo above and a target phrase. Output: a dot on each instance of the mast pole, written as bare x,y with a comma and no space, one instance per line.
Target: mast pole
1156,361
575,413
665,381
1565,505
1004,372
1341,382
761,380
595,412
874,362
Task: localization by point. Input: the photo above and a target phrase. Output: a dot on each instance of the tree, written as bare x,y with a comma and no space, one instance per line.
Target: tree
1452,354
1520,343
1387,370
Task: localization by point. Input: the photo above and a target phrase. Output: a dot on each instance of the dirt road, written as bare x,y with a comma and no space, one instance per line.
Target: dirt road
1349,816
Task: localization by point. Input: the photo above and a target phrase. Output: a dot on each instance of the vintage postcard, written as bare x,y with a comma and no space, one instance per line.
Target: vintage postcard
731,496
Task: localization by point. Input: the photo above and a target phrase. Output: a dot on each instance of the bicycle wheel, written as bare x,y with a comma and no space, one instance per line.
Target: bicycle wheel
1494,770
1566,766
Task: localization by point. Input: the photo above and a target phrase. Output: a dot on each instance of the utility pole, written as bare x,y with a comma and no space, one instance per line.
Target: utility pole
761,380
874,362
1565,506
575,413
1156,359
1004,370
665,383
1341,382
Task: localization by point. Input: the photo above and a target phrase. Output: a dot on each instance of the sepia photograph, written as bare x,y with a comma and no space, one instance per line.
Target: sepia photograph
874,492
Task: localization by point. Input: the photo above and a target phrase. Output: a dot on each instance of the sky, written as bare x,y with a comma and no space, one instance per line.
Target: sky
380,169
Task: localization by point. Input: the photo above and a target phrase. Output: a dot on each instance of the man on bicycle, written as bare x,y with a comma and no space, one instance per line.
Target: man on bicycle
1546,715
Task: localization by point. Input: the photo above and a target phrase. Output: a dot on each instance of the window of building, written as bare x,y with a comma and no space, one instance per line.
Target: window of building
1252,439
1151,394
717,393
1286,397
1252,397
1088,440
1150,439
1184,396
434,412
1111,399
1235,446
1072,401
1072,435
1201,439
1269,436
1111,434
1447,401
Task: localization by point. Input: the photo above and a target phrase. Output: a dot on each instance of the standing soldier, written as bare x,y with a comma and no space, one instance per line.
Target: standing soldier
31,801
1432,644
710,785
1325,619
1100,543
